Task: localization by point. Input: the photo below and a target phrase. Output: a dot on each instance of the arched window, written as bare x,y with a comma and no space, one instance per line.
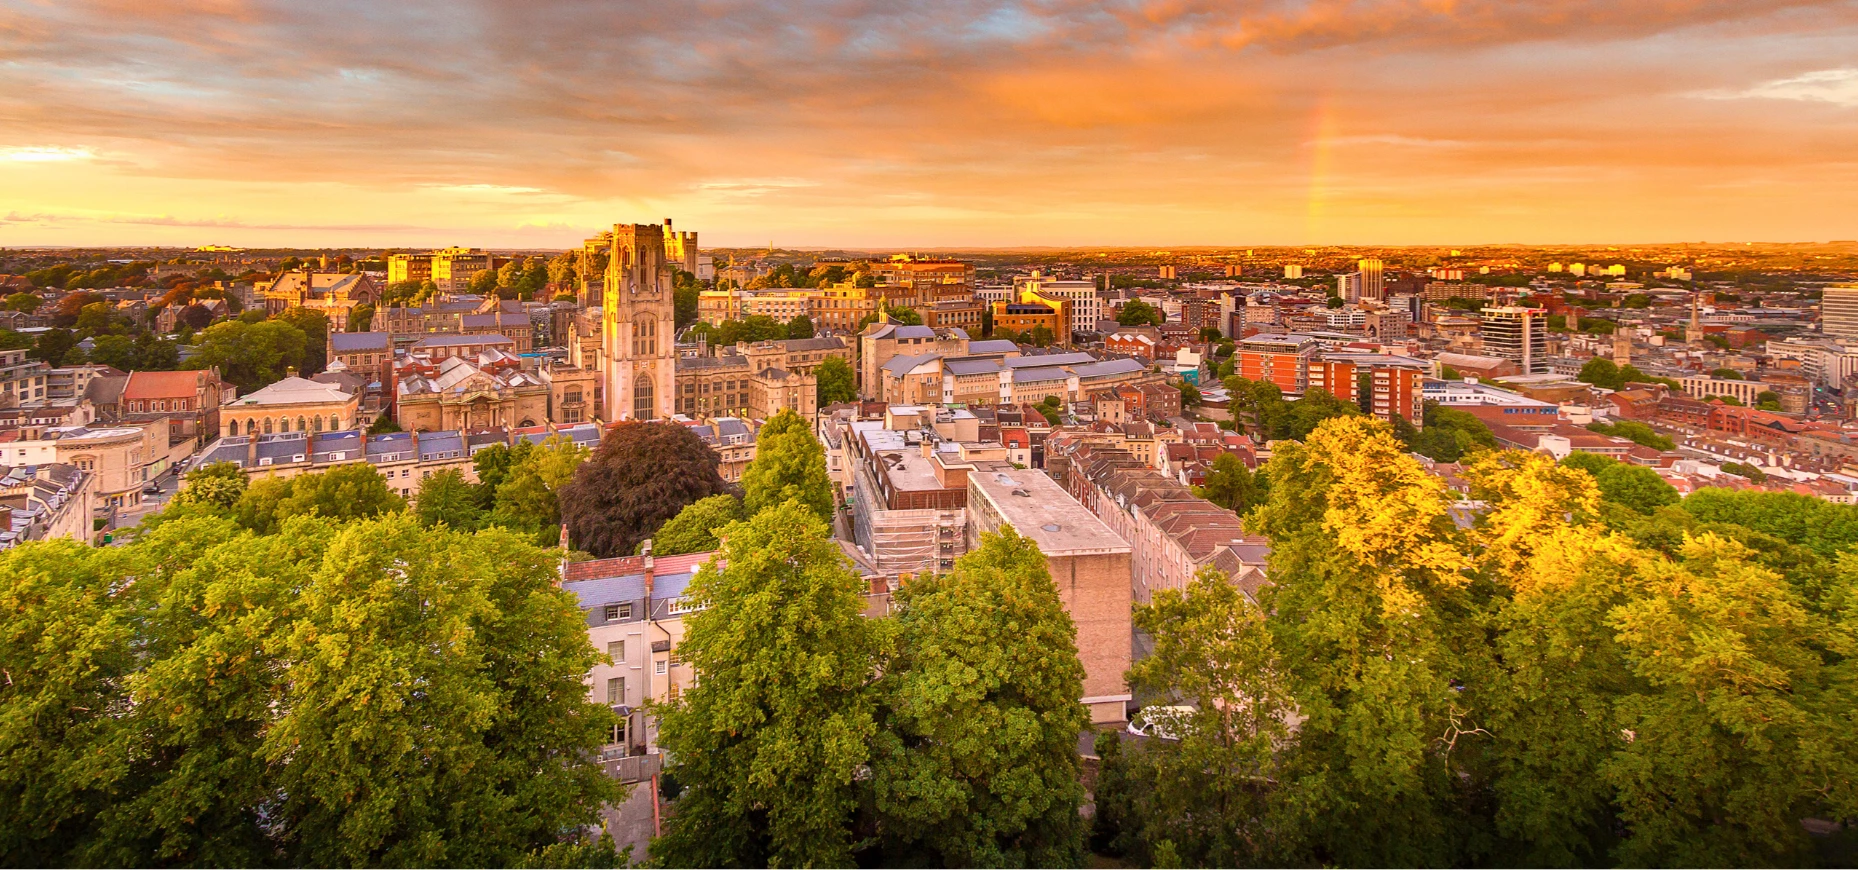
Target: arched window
267,425
251,426
232,428
302,425
645,335
283,424
571,395
335,423
642,398
316,423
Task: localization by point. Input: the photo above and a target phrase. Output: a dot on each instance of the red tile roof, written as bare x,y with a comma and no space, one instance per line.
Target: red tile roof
164,385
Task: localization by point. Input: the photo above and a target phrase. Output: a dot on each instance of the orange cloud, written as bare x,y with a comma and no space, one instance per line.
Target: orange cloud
970,122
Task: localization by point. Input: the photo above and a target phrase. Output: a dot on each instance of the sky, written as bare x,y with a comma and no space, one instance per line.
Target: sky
958,123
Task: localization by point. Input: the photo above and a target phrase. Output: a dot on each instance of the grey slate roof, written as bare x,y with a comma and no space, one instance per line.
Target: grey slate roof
447,444
901,365
352,342
1109,368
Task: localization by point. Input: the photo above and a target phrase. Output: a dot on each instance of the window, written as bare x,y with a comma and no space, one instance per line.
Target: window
659,668
616,690
612,612
617,612
642,398
616,650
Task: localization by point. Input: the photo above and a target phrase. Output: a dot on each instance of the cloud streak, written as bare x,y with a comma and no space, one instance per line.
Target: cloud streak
858,121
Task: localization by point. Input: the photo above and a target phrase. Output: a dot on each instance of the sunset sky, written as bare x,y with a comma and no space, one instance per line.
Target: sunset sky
1181,122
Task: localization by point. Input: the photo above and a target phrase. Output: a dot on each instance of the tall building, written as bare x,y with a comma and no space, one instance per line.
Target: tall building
1838,312
680,248
638,339
1348,287
1293,271
1516,333
1086,302
1372,285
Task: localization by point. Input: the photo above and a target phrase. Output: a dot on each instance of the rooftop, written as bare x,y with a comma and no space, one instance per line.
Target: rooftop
1040,509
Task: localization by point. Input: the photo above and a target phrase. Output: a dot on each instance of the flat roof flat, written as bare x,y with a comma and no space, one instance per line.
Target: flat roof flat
1055,521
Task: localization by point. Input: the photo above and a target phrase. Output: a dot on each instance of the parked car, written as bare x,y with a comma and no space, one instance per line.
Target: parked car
1160,723
153,488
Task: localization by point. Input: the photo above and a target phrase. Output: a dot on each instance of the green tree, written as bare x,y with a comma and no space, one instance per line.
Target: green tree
216,484
1751,472
483,283
790,464
1602,372
1316,406
1135,312
331,694
1726,374
1190,394
98,318
1449,434
118,351
1040,336
67,644
435,687
315,328
1205,794
696,528
1631,486
800,327
345,492
383,425
643,474
1365,576
250,356
1231,485
1637,432
769,744
976,760
446,498
837,383
26,302
56,347
361,318
528,499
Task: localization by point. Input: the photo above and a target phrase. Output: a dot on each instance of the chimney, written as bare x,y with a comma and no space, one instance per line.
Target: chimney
564,557
646,551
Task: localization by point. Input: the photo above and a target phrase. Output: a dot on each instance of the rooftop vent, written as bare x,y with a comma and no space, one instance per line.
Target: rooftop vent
1052,527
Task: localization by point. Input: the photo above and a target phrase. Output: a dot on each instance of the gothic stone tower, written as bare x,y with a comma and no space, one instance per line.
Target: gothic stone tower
638,356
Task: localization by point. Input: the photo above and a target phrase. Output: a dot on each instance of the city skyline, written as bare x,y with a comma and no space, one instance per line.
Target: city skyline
975,125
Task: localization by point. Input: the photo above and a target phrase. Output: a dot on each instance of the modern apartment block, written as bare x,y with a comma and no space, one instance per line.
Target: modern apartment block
1838,312
1517,334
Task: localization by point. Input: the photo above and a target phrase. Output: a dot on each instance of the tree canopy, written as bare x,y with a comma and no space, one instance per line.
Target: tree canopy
643,474
770,742
1135,312
975,762
789,464
837,382
1567,681
331,695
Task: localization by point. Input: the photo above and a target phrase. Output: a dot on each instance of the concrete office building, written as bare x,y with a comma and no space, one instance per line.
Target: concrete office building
1838,312
1517,334
1089,562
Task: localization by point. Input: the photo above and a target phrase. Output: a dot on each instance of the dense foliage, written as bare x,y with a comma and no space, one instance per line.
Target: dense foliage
641,475
330,694
1567,681
790,465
